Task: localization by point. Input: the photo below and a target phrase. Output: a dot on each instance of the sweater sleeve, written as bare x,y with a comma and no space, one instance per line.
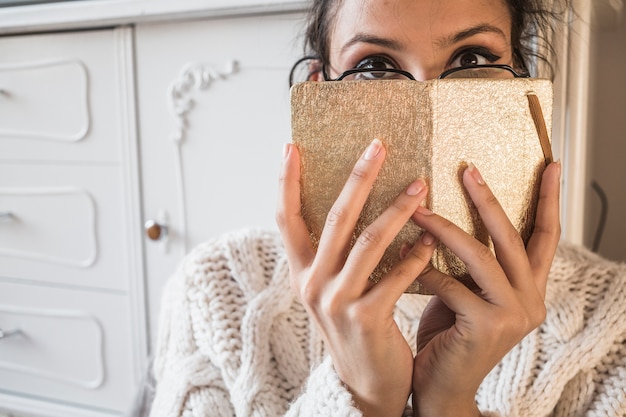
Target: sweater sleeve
324,396
187,383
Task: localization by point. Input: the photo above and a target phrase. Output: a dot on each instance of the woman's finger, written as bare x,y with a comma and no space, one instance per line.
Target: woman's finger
343,215
480,261
294,232
454,294
547,231
371,244
508,244
389,289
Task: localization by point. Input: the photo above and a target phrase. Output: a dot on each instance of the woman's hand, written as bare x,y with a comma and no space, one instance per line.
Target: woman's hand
463,334
355,318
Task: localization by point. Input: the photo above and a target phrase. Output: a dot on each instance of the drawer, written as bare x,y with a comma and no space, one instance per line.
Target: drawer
64,225
59,98
66,345
31,94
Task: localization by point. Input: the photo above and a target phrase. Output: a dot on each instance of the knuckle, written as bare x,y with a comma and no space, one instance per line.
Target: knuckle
491,201
330,306
360,317
281,219
335,216
552,231
447,284
282,177
520,321
538,315
369,237
514,240
359,173
447,225
418,256
400,270
357,312
284,219
310,292
484,253
400,204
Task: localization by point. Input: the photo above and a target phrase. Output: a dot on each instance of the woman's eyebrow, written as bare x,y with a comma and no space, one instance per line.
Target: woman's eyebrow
373,40
447,41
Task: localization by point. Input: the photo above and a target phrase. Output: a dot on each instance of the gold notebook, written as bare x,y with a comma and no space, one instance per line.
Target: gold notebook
430,129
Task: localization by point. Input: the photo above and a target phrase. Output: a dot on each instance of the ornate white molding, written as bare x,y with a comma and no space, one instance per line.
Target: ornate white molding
192,77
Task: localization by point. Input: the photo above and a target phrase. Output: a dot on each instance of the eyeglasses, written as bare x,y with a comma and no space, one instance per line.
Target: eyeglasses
306,68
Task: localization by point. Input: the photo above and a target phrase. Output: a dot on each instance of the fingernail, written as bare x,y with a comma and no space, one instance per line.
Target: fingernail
423,210
427,238
286,150
415,187
559,167
373,150
471,168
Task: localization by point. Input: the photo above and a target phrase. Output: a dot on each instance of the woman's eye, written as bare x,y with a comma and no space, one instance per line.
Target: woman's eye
473,57
378,63
375,68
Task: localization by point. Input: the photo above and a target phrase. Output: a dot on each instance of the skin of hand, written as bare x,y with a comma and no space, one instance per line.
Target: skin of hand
355,318
463,334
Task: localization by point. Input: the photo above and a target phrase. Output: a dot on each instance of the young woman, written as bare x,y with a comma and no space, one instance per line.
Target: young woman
236,341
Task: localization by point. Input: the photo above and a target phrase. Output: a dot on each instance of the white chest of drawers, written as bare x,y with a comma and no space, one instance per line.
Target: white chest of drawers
78,308
71,276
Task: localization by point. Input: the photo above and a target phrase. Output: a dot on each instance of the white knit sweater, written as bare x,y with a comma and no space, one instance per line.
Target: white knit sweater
234,342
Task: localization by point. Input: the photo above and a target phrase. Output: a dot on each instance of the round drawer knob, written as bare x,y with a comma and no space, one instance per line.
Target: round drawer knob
155,230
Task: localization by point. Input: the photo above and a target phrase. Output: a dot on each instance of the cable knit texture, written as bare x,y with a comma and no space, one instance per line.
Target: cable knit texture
233,341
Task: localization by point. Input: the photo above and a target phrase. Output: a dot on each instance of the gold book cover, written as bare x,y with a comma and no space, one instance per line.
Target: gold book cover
432,130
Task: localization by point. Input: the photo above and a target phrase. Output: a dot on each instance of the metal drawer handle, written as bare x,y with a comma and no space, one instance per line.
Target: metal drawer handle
8,333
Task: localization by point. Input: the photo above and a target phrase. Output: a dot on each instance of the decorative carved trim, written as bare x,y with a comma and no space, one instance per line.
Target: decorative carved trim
193,76
199,77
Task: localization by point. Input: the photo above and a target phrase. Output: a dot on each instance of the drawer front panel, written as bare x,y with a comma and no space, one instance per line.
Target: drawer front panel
30,106
35,343
66,345
64,227
59,97
53,225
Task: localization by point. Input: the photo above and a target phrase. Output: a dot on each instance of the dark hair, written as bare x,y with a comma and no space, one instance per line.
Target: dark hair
534,24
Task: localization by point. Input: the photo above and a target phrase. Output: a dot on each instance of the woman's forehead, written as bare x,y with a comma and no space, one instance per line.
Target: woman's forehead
408,21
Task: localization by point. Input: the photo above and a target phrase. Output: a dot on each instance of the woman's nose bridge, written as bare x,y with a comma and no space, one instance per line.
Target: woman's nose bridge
420,73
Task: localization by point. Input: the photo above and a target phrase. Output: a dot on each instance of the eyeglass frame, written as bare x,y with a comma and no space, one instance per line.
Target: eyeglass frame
406,74
411,77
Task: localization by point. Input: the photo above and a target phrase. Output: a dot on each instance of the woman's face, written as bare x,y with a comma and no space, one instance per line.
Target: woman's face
423,37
